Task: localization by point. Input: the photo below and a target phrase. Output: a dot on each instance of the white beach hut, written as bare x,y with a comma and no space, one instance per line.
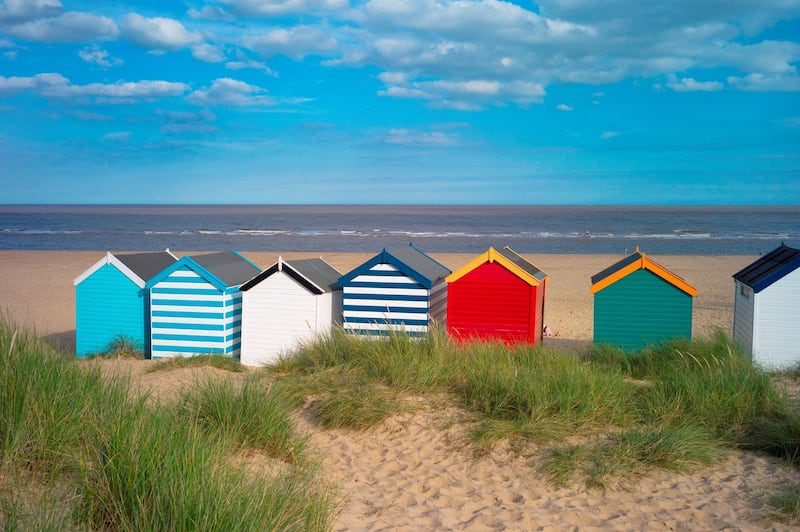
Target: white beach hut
288,303
766,312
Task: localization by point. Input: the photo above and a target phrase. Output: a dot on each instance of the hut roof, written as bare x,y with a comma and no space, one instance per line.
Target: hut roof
409,260
223,269
634,262
316,275
229,266
770,268
509,259
138,267
147,265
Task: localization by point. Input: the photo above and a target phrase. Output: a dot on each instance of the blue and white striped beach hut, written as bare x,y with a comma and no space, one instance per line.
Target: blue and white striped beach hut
400,289
111,301
196,305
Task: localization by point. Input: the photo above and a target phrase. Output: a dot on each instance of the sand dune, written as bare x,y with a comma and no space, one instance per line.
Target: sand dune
414,473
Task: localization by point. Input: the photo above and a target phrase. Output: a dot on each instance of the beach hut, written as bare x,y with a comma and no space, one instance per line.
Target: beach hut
497,296
766,311
196,305
111,301
639,302
288,303
401,288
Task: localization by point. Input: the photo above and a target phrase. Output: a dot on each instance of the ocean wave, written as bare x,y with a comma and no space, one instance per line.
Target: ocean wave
42,231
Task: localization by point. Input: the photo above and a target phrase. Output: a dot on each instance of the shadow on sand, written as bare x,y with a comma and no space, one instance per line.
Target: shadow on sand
63,341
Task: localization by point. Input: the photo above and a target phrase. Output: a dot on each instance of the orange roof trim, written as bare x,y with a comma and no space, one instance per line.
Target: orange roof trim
645,264
492,255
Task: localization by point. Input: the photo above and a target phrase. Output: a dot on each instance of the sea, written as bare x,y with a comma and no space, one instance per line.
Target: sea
716,230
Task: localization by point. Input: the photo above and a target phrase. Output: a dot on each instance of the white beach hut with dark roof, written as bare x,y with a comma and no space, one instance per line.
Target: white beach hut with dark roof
399,289
111,301
766,311
196,305
289,303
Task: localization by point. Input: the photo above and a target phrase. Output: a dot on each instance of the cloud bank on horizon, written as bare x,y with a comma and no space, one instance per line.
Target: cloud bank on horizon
400,101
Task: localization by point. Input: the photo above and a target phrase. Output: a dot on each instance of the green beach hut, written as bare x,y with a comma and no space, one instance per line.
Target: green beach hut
639,302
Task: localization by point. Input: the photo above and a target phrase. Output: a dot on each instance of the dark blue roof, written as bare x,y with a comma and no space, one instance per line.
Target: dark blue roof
770,268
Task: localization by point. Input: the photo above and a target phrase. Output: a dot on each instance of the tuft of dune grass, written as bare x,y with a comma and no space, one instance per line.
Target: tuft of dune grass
215,361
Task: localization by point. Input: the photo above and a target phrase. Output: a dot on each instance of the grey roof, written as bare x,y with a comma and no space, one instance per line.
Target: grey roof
315,274
617,266
419,261
228,266
318,272
526,266
147,265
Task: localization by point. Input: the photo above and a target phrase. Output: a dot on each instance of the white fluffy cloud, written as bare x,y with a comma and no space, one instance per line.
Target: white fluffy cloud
758,82
57,86
271,8
98,56
296,42
14,11
72,26
158,33
227,91
465,95
208,53
692,85
461,54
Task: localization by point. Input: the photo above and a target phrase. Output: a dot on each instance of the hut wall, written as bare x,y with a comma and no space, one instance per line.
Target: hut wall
537,313
383,299
108,305
743,314
190,316
278,314
438,304
641,309
490,302
777,323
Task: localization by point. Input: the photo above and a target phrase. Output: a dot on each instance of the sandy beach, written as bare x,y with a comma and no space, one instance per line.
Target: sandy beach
412,473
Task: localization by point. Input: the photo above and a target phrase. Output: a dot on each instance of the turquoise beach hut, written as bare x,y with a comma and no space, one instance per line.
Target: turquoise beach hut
196,305
111,301
638,302
399,289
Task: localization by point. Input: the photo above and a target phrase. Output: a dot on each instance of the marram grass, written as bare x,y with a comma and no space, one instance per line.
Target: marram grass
215,361
358,408
253,414
675,406
112,461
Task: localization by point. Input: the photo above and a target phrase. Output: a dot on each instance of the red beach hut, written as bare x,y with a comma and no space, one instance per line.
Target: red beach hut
497,296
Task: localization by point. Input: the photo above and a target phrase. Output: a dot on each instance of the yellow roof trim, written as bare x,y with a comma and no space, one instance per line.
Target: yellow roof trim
646,264
491,255
669,276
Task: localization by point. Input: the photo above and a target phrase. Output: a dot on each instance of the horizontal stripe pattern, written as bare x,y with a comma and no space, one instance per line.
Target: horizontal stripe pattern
383,300
190,316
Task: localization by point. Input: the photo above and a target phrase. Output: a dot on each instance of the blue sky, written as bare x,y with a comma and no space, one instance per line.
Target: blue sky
400,101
